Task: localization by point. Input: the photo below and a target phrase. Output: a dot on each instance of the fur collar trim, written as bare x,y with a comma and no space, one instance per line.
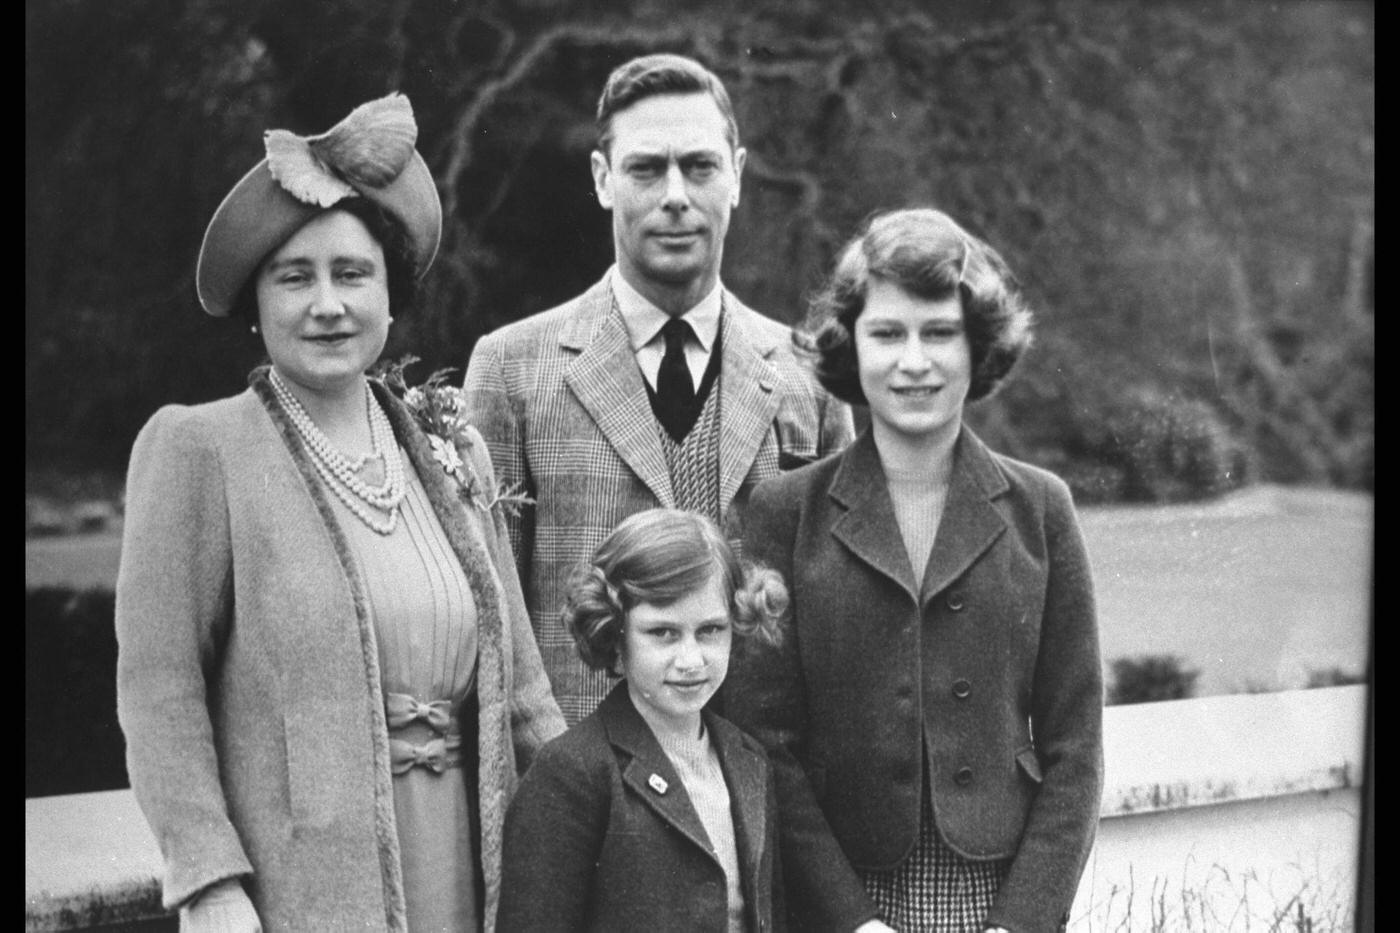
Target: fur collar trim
386,831
464,533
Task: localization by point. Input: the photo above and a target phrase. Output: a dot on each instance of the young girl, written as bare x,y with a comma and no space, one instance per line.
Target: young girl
653,813
938,739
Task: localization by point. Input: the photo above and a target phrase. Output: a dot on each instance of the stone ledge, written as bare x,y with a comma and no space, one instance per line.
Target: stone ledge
91,860
1215,750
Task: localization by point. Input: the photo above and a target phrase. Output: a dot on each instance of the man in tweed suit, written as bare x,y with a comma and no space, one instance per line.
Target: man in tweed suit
603,406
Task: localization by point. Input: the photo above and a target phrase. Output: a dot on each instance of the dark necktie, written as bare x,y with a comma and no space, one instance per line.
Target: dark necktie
675,390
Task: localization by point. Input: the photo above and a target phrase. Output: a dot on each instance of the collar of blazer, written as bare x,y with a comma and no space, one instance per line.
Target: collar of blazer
606,380
745,773
971,521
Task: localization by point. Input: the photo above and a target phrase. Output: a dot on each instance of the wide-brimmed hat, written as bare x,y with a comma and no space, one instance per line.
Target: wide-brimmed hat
369,154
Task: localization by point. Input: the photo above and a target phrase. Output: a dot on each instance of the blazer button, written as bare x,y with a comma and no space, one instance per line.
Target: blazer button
963,777
961,689
955,602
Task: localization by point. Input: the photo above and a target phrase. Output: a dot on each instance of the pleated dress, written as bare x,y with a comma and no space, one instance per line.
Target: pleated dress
425,625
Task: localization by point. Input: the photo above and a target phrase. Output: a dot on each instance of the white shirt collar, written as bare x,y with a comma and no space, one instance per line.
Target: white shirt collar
644,320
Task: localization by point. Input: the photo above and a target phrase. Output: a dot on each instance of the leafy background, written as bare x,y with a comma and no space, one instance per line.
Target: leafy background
1186,189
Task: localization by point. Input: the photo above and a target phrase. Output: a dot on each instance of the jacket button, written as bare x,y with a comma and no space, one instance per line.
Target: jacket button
961,689
963,777
955,602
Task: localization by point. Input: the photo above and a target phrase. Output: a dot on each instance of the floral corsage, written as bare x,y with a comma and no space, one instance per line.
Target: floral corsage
440,409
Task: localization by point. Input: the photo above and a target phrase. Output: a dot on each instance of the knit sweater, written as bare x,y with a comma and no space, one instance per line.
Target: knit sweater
918,497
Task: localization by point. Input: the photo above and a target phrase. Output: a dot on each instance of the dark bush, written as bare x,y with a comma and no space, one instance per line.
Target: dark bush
1150,678
1334,677
72,743
1093,483
1168,448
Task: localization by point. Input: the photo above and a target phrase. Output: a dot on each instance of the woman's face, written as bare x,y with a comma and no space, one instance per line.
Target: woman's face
675,657
323,303
914,360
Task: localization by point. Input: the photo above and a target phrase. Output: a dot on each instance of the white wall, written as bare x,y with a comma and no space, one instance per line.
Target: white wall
1219,814
1229,813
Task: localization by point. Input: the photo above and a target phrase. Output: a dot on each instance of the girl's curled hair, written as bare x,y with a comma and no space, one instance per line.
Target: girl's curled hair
659,556
929,255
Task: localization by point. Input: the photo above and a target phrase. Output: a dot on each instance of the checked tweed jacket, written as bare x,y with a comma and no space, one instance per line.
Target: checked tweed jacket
563,407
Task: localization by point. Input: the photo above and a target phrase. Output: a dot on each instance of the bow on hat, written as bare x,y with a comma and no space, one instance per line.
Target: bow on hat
370,147
369,154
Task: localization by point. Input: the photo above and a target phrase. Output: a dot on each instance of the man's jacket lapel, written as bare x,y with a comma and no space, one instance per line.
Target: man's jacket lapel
748,397
605,379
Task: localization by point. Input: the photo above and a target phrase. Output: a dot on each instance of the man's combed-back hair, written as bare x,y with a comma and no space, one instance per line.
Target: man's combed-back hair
662,73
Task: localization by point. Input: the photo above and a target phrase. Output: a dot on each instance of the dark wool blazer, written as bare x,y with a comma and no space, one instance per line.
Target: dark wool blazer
991,665
602,836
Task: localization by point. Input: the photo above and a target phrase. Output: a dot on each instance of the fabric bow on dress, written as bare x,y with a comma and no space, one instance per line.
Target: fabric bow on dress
402,709
437,754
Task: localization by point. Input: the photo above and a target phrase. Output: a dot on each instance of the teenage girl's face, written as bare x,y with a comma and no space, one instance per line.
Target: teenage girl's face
915,362
675,657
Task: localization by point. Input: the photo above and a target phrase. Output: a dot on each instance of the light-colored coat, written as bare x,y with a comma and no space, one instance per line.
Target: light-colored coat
248,680
990,663
564,410
603,836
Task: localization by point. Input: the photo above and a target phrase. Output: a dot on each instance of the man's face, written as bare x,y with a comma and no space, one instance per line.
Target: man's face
670,183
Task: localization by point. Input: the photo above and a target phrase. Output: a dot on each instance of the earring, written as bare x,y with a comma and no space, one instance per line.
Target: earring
253,329
391,319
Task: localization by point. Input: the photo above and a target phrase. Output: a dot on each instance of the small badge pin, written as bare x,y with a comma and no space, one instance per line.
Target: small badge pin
658,783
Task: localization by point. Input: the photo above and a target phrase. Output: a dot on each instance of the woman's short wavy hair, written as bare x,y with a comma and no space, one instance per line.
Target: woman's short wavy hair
659,556
928,254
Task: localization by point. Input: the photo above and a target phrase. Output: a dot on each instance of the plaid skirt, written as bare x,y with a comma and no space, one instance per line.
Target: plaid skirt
935,890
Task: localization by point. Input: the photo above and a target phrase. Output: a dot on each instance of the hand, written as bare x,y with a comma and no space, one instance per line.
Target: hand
874,926
223,907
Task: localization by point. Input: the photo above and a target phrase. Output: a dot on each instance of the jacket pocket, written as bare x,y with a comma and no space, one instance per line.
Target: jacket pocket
1029,763
792,459
797,442
312,787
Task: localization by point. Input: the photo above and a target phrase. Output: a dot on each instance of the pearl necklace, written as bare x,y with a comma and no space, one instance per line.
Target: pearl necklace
339,472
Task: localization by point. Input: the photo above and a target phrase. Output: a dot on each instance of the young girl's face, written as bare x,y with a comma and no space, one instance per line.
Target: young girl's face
675,657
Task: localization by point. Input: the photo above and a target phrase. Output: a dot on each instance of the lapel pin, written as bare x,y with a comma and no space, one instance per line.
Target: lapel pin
658,783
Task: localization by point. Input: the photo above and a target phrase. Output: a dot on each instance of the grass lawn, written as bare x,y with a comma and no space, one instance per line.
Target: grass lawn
1256,589
79,561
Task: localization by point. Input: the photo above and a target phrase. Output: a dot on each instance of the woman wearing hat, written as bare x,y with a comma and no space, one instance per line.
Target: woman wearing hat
326,676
